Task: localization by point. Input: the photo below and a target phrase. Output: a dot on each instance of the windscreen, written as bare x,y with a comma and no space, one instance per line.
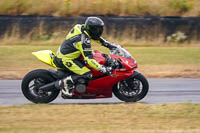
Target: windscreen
119,51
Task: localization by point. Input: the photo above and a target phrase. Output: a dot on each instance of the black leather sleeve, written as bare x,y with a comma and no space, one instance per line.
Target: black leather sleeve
106,43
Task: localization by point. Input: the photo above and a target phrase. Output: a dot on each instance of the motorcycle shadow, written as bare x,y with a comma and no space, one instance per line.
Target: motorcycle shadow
74,103
94,103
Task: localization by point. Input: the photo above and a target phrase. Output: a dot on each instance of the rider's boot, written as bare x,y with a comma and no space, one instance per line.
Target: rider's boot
67,86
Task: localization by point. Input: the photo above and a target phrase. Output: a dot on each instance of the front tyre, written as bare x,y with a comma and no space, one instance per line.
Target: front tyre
132,89
31,84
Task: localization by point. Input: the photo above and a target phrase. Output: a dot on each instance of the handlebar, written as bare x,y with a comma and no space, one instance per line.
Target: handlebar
111,64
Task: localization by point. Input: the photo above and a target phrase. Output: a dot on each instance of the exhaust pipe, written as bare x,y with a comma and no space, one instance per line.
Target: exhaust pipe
49,86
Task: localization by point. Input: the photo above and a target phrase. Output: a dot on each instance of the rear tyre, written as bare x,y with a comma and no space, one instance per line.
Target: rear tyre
31,83
132,90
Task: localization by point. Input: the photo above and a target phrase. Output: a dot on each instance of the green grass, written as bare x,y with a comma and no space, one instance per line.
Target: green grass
101,7
16,60
107,118
21,55
166,55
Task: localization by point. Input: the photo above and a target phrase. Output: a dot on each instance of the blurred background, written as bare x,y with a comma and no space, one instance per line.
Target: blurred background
163,35
127,21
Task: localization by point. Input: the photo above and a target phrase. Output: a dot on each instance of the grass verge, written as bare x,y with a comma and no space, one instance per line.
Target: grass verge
16,60
101,7
109,118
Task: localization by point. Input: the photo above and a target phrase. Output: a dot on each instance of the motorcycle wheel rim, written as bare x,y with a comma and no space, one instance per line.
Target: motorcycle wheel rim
134,88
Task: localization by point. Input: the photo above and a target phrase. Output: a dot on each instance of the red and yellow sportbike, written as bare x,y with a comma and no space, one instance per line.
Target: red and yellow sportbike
124,81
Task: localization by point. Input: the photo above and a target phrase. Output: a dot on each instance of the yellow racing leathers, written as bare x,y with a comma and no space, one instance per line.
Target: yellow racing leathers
77,43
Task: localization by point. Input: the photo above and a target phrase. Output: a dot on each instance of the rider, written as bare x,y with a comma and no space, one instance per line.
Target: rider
78,42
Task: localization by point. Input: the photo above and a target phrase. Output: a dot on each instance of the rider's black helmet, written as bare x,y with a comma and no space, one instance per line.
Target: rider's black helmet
94,27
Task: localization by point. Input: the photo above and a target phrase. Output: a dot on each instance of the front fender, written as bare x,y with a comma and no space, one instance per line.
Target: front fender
135,73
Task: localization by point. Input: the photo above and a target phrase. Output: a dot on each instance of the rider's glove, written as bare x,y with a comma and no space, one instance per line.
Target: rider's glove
109,70
114,63
106,70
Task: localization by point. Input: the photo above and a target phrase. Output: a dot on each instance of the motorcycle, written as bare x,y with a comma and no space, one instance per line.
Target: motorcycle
124,81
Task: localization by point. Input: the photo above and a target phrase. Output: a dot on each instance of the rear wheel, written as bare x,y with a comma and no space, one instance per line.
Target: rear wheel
133,89
31,84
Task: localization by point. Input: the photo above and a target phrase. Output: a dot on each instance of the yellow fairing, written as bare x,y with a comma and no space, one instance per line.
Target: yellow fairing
45,56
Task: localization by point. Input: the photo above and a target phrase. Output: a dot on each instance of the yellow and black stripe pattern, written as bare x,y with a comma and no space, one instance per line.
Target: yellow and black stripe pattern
76,44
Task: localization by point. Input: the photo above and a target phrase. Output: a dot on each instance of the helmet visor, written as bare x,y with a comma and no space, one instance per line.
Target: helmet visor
96,31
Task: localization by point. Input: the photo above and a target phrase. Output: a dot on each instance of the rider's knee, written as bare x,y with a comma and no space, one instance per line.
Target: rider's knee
87,75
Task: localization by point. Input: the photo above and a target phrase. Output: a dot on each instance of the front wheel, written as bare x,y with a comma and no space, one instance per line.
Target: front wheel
31,84
132,89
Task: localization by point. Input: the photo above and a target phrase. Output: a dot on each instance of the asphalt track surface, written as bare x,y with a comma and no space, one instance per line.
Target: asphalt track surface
176,90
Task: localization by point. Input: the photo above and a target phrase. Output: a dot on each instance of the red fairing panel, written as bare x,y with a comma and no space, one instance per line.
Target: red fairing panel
102,86
98,57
